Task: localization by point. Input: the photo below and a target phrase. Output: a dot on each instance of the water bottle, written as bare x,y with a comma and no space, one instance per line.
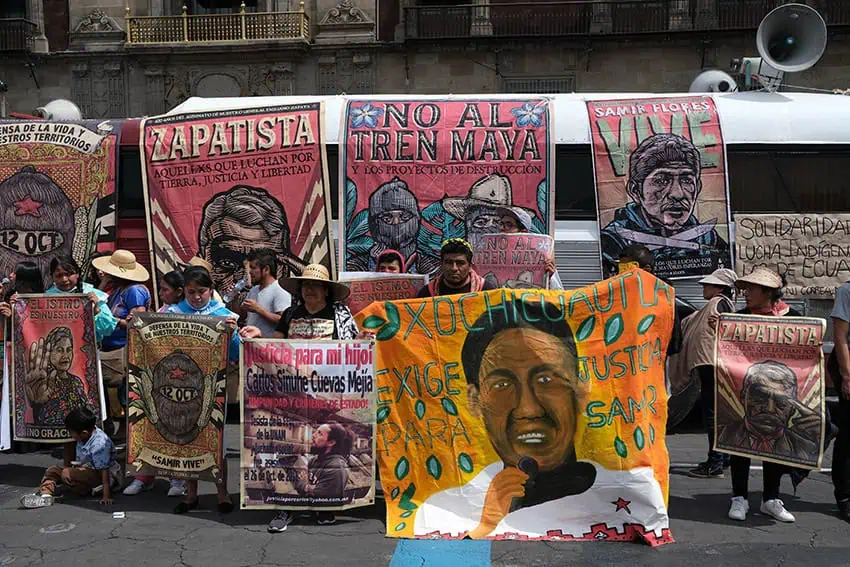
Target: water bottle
240,285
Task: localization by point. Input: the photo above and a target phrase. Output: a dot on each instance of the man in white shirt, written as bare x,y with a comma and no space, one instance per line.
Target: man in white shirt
266,301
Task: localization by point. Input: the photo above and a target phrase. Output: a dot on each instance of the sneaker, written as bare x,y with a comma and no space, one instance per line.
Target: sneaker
177,488
776,508
36,500
136,487
279,524
706,471
325,518
739,508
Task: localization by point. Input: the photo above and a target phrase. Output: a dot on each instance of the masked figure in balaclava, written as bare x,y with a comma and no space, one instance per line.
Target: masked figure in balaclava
178,396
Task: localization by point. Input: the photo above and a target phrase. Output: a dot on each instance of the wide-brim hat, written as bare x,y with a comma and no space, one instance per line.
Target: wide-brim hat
122,264
763,277
201,263
723,277
316,273
490,191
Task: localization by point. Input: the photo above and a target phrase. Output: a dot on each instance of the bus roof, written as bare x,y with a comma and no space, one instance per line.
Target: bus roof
746,117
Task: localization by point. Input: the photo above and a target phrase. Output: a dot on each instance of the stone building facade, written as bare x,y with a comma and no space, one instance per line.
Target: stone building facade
118,58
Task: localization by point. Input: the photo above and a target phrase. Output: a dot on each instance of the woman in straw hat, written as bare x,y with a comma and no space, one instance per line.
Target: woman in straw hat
697,357
124,278
317,314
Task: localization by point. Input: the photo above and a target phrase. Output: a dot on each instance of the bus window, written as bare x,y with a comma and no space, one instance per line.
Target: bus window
131,198
575,192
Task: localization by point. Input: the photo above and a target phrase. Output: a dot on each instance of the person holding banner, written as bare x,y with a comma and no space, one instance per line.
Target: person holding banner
25,279
390,262
67,278
456,272
515,220
198,301
266,300
838,367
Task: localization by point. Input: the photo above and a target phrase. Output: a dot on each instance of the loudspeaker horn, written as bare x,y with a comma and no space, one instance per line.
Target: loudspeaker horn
713,82
791,38
59,109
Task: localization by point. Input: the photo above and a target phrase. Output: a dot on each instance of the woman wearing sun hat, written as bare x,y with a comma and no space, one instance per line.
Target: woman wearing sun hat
127,294
317,313
697,357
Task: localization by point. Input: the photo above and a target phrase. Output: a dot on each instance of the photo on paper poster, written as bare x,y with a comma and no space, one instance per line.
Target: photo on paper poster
515,261
525,414
770,388
367,287
221,184
660,168
417,172
54,366
177,367
308,425
57,191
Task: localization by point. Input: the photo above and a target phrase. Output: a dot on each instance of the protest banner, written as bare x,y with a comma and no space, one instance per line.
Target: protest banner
516,261
57,191
175,418
54,364
417,172
367,287
812,250
770,388
660,167
554,397
308,424
220,184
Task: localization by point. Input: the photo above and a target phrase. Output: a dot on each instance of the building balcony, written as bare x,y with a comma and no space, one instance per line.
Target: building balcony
505,19
17,34
219,29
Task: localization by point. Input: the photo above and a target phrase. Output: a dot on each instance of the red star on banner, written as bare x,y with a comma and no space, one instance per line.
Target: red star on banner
622,505
28,207
178,374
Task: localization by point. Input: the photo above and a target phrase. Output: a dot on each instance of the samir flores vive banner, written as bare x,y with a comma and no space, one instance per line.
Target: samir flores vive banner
531,414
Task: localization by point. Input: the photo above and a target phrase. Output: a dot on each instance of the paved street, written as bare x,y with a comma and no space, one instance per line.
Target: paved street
81,532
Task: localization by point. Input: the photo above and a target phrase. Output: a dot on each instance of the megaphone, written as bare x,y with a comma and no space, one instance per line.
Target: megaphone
713,82
59,109
791,38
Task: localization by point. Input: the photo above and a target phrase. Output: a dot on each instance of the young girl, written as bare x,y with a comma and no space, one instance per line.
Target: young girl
170,293
67,279
198,291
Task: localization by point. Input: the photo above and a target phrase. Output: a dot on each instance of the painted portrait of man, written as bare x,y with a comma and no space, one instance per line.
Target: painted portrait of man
238,221
664,186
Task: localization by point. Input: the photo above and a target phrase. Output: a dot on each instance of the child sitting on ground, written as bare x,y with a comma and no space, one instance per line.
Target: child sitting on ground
95,465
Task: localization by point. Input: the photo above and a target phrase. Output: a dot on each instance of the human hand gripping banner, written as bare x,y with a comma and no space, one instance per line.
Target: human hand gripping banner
54,365
308,424
57,191
660,168
220,184
529,414
770,388
417,172
177,366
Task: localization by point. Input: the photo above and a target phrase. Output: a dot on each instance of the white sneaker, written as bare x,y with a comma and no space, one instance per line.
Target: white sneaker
739,508
177,488
776,508
36,500
136,487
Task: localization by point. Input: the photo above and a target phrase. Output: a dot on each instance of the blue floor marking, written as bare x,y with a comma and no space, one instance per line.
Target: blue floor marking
441,553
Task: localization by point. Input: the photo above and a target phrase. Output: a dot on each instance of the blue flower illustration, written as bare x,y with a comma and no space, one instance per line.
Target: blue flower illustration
365,115
529,114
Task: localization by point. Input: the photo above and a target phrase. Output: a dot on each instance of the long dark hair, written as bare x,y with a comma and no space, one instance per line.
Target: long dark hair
198,275
175,280
27,280
68,264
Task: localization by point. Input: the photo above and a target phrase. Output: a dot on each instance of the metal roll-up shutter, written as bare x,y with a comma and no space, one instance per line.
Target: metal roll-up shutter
578,263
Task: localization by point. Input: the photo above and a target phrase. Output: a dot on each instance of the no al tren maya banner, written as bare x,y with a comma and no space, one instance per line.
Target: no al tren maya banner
532,414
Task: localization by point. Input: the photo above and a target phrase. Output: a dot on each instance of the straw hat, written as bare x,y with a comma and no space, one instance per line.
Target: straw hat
122,264
763,277
723,277
316,273
200,262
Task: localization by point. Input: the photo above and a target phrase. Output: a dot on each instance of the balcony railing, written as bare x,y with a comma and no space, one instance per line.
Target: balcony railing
219,28
501,18
17,34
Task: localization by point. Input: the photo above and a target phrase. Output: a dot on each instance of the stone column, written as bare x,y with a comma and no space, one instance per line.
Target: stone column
601,22
401,30
155,82
35,14
706,15
481,24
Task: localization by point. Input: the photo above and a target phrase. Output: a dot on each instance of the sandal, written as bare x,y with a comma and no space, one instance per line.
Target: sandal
225,507
183,506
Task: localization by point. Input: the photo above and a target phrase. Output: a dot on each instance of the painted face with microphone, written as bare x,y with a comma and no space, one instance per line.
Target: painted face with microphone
521,370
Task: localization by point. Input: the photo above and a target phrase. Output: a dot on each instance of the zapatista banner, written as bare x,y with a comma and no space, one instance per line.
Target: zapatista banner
770,388
532,414
220,184
57,191
308,424
54,365
660,167
812,250
417,172
367,287
177,369
516,261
